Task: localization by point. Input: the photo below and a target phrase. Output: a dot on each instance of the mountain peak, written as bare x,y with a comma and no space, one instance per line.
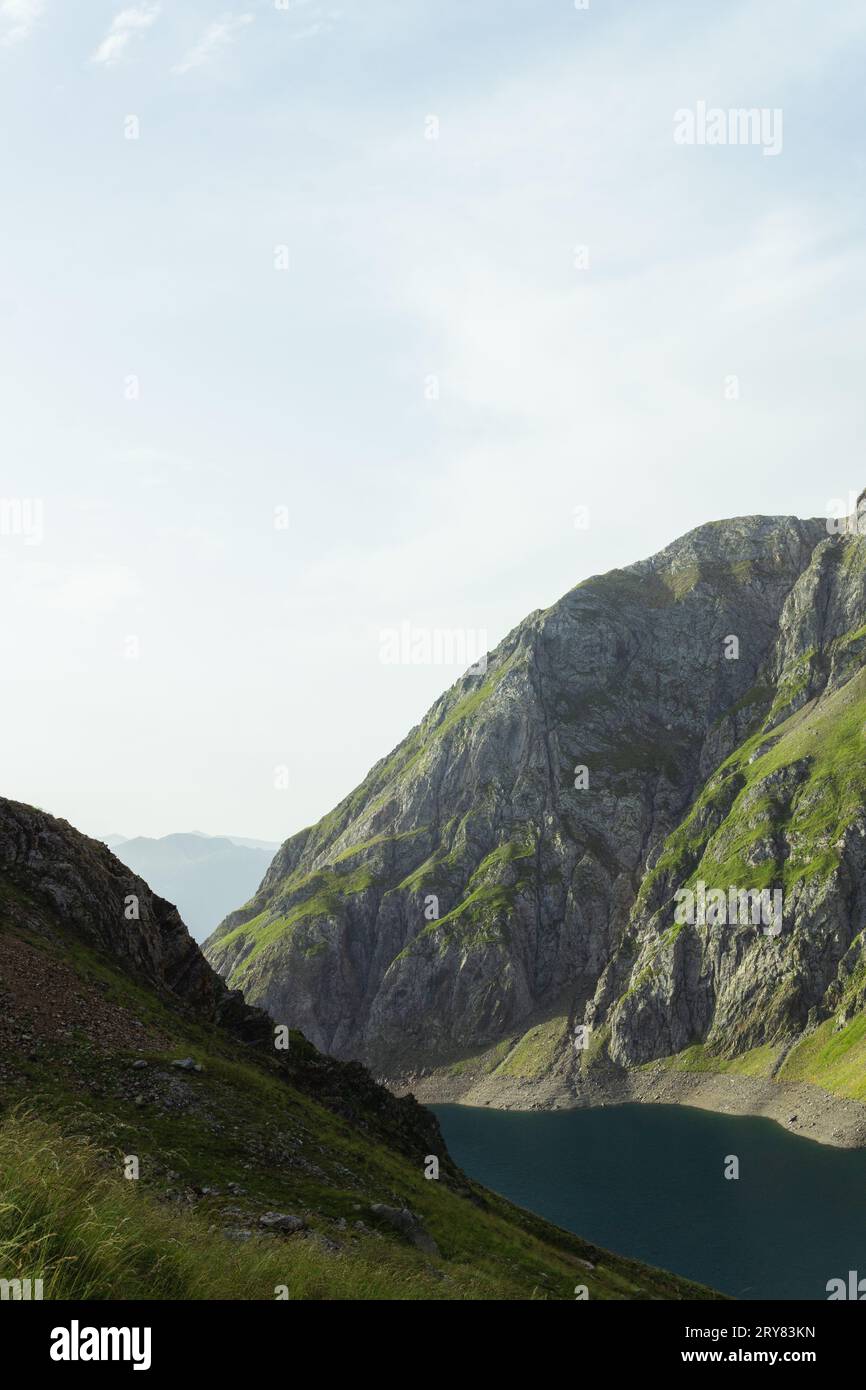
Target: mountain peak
480,881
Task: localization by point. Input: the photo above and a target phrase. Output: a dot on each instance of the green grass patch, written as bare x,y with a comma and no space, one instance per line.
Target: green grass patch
534,1054
757,1062
834,1059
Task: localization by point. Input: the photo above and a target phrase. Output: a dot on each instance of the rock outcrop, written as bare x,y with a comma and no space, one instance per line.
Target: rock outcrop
81,883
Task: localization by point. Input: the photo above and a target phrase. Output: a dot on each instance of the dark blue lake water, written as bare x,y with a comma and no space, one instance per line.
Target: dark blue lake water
648,1181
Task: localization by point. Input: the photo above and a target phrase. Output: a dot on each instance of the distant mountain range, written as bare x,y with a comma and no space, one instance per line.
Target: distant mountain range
203,875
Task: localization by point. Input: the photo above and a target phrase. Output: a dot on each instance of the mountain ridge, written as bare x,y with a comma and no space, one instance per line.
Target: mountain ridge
626,677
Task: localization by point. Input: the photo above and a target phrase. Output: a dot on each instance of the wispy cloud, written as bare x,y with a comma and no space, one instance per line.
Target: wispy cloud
123,26
18,18
216,37
89,589
319,26
320,21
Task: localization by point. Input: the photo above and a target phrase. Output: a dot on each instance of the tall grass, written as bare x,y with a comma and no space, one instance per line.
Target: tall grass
66,1219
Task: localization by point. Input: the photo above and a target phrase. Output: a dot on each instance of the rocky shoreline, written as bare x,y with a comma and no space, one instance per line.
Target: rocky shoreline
800,1107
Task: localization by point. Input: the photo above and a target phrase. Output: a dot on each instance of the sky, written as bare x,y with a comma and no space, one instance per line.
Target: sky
322,321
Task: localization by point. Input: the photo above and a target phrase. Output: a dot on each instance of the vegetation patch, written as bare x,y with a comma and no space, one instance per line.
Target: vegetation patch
738,833
757,1062
832,1057
534,1054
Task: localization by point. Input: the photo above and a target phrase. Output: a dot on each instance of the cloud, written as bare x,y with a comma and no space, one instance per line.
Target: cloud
558,383
320,26
215,38
321,21
123,26
18,18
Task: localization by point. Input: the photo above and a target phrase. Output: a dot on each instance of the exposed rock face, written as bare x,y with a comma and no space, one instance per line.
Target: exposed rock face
549,809
57,884
82,885
786,810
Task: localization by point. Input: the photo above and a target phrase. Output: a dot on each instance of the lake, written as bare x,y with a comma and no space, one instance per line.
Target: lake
648,1181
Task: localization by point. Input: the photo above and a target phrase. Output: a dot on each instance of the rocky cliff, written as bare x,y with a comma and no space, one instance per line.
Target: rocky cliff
510,871
62,892
46,863
784,811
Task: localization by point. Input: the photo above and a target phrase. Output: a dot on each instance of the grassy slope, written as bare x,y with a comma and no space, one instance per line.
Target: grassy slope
303,897
830,1057
826,736
68,1216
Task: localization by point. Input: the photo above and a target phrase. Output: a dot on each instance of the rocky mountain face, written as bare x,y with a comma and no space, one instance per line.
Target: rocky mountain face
784,811
60,888
45,863
510,870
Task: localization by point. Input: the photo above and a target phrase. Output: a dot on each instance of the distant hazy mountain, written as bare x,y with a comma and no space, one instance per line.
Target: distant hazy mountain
203,875
270,845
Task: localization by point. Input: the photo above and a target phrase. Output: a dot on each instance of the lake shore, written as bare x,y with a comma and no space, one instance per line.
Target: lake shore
799,1107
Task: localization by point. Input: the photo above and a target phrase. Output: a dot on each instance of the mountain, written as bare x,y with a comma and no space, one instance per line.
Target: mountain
270,845
511,871
124,1056
202,874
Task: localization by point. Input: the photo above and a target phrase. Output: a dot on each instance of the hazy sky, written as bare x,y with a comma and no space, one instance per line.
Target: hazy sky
169,392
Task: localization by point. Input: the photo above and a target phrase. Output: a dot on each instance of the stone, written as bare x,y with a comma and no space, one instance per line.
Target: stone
282,1222
408,1224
